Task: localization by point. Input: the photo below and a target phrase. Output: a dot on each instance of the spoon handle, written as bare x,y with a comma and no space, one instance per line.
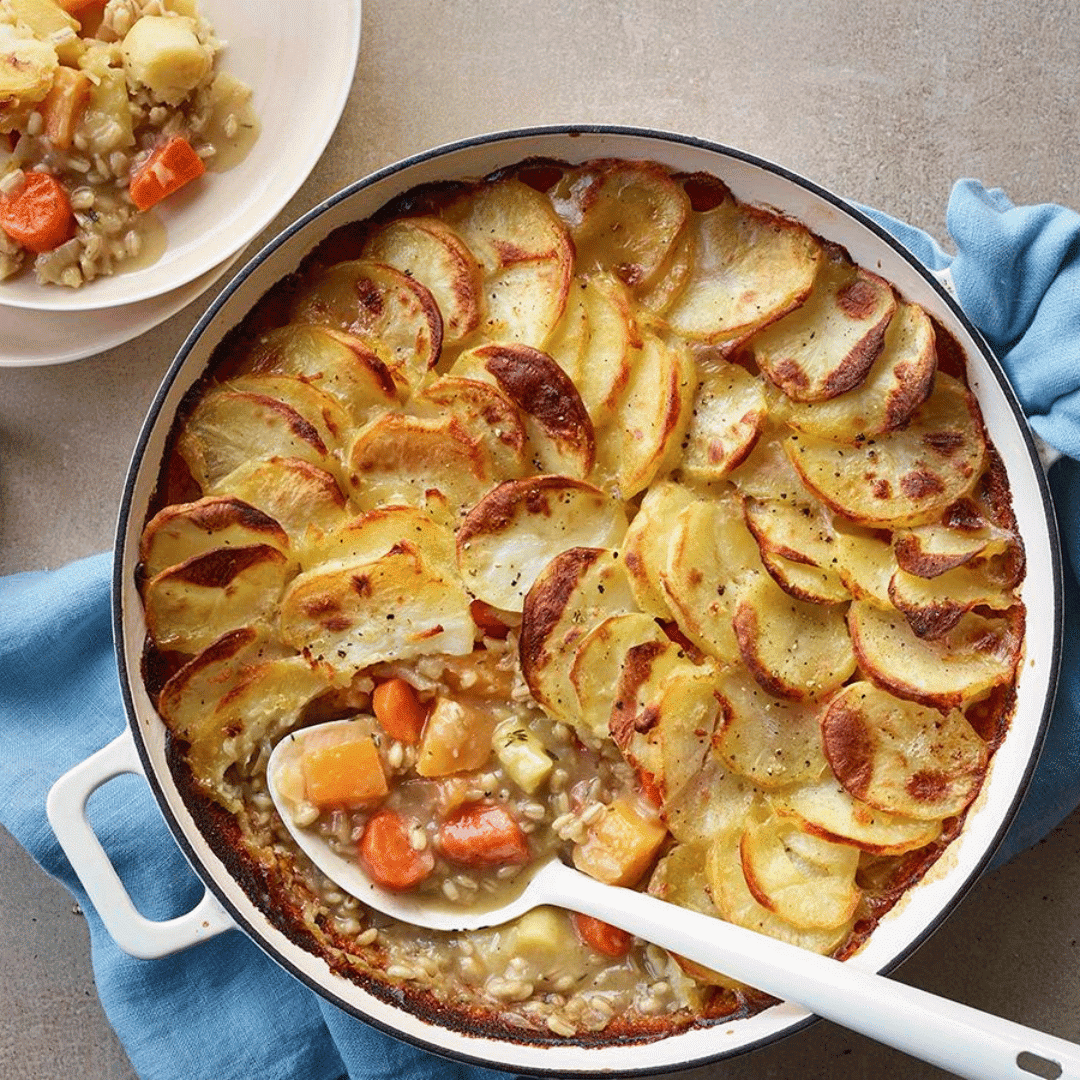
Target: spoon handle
945,1033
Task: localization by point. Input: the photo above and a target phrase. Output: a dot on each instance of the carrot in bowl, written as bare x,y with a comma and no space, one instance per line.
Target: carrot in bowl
600,936
38,216
484,835
387,853
166,170
399,710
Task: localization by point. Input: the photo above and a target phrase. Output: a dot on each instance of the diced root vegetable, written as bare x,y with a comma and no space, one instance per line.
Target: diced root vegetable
456,738
346,774
484,835
387,853
399,710
64,105
602,937
38,215
621,846
165,171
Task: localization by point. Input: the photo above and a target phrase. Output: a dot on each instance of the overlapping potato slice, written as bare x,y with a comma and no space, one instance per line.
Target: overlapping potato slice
516,529
826,809
397,606
963,533
340,364
770,741
566,344
643,440
902,757
191,604
794,649
727,416
623,216
671,277
431,463
429,251
767,473
896,385
689,712
295,493
814,584
828,344
866,562
561,435
182,530
645,549
905,477
945,672
750,267
378,302
525,255
935,605
322,410
713,803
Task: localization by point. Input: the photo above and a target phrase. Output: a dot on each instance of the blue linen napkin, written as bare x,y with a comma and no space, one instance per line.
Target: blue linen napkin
223,1010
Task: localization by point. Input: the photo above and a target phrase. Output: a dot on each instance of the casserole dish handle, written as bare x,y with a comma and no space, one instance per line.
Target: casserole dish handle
147,939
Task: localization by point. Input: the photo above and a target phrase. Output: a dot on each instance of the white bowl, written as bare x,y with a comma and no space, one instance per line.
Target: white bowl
299,59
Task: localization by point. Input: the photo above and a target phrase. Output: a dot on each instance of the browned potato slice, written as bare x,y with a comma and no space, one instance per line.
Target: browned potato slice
933,606
560,431
573,592
711,557
644,439
688,714
525,255
488,415
750,268
827,810
767,473
323,411
964,533
769,741
805,880
792,648
429,251
905,477
430,463
894,388
190,605
520,526
727,416
182,530
297,494
340,364
645,548
229,428
814,584
713,803
865,563
828,344
947,672
900,756
624,217
380,303
397,606
671,277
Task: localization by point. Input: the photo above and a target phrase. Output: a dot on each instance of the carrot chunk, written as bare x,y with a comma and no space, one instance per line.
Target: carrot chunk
487,619
398,709
38,216
166,170
483,835
343,774
600,936
64,104
388,855
71,6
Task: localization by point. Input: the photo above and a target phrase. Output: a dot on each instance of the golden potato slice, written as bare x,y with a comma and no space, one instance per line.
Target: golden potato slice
767,472
323,411
711,557
715,802
623,216
561,434
902,757
947,672
525,255
190,605
431,463
295,493
805,880
905,477
688,715
770,741
727,416
897,384
671,277
964,533
933,606
566,344
794,649
814,584
519,527
643,440
397,606
429,251
750,267
229,428
379,303
574,592
828,344
865,562
645,549
827,810
182,530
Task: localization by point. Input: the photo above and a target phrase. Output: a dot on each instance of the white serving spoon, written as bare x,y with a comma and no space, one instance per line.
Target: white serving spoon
945,1033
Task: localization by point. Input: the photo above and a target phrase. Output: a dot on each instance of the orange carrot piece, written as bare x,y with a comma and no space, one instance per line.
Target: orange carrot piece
483,835
71,6
38,216
398,709
600,936
485,617
166,170
388,855
343,774
64,104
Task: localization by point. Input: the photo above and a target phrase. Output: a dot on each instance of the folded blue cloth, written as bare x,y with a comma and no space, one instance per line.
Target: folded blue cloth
222,1010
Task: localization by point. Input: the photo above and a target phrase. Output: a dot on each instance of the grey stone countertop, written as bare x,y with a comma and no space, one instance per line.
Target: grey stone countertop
886,104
